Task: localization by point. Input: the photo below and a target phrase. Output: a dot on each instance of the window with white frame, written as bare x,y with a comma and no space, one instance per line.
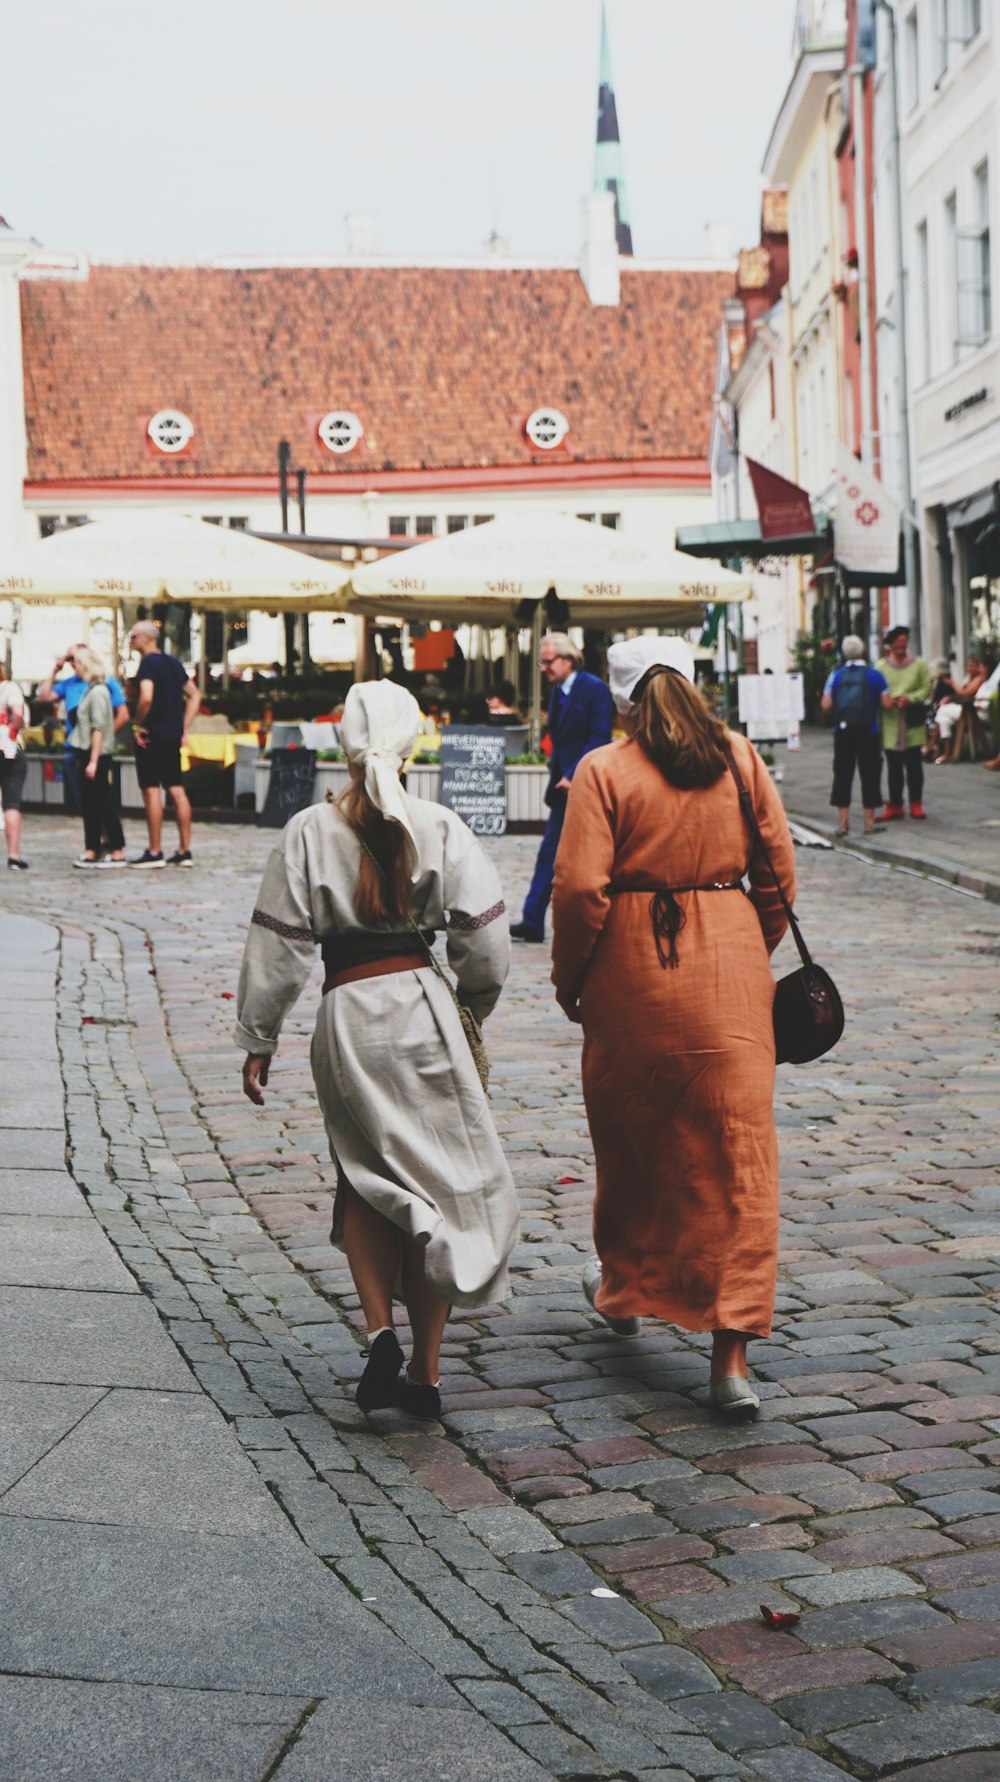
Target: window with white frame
950,263
972,19
426,525
942,46
975,319
924,354
911,60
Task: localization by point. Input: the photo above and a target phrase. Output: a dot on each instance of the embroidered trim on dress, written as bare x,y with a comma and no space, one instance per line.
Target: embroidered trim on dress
465,924
285,929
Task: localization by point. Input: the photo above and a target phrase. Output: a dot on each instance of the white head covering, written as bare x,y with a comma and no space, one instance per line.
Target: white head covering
379,727
628,662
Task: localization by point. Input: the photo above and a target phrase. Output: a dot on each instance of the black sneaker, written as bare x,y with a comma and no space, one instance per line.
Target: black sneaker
14,864
181,859
419,1401
521,931
377,1386
147,861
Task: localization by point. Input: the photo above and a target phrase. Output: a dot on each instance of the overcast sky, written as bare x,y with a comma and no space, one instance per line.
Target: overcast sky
201,127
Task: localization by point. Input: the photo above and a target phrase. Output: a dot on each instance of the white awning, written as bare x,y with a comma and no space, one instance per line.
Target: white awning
151,557
482,575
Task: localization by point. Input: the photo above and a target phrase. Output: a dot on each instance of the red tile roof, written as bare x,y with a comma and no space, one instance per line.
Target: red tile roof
442,366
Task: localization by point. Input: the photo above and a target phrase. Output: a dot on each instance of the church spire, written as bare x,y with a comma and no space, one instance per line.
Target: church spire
609,168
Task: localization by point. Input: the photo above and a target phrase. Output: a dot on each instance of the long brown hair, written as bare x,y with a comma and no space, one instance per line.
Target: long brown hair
378,896
675,727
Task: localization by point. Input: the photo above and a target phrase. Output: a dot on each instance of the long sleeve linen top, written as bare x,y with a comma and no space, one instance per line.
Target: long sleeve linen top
307,895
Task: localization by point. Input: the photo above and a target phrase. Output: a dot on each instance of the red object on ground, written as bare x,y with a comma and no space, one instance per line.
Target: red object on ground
779,1617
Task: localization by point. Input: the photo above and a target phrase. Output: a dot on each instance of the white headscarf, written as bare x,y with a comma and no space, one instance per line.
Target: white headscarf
379,727
628,662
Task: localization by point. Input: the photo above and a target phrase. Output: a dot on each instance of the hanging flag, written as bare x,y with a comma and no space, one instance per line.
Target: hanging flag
866,523
785,509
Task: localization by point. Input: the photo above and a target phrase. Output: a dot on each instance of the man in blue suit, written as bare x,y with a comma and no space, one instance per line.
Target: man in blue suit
580,718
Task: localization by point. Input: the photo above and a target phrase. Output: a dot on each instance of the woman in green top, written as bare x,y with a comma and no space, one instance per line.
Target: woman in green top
904,722
92,741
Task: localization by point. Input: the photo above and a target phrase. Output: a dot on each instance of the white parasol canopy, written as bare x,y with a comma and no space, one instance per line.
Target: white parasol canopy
483,574
149,557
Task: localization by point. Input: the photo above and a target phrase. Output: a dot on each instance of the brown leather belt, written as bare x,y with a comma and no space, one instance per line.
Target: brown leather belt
374,968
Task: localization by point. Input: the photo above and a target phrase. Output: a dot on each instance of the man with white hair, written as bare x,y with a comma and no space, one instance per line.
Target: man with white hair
167,702
853,694
580,718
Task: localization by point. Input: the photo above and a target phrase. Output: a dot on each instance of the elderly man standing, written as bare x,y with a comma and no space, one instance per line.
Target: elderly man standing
167,702
580,718
853,694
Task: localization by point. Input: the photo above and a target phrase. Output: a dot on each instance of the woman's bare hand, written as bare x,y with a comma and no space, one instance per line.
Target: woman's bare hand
255,1069
570,1008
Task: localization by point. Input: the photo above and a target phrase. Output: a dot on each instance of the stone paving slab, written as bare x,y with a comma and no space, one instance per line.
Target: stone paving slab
52,1193
86,1339
35,1419
32,1091
439,1745
120,1732
41,1251
154,1461
32,1147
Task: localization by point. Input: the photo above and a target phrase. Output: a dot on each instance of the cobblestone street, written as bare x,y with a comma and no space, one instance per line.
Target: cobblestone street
582,1552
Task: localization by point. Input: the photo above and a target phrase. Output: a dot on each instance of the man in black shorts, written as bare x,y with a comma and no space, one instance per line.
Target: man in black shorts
167,702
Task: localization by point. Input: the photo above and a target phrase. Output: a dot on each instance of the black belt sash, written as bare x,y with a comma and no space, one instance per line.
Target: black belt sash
341,952
666,914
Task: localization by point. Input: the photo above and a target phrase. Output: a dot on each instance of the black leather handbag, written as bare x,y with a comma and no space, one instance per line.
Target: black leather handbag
808,1012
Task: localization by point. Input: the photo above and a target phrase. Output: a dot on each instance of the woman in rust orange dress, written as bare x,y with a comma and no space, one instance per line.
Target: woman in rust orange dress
663,957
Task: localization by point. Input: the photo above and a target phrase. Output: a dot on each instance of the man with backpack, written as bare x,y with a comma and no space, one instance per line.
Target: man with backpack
853,696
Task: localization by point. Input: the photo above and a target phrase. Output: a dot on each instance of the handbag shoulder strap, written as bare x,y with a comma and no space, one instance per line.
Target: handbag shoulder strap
751,816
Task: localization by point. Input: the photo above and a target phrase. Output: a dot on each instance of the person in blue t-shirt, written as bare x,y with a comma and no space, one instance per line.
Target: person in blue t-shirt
853,695
66,686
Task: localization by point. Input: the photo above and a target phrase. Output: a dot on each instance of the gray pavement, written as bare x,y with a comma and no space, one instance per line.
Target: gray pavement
212,1557
959,842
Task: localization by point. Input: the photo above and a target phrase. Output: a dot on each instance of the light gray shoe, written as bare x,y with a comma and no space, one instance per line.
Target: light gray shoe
591,1282
733,1397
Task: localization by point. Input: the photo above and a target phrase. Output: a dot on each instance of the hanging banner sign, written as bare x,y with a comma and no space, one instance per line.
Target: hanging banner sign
866,523
785,509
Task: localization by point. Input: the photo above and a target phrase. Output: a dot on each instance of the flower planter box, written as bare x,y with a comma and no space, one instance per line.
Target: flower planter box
525,787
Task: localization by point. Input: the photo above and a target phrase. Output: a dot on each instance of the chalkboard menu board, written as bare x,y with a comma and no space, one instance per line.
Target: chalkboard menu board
293,778
474,778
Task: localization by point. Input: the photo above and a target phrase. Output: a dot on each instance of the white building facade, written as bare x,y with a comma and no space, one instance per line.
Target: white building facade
948,83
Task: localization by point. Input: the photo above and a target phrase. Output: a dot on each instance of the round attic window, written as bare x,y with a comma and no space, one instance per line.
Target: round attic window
170,431
340,430
546,428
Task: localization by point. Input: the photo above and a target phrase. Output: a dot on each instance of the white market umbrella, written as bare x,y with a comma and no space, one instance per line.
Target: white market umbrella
151,557
481,575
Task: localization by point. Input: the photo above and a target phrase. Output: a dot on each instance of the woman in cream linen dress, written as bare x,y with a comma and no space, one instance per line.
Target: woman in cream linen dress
678,1064
409,1125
